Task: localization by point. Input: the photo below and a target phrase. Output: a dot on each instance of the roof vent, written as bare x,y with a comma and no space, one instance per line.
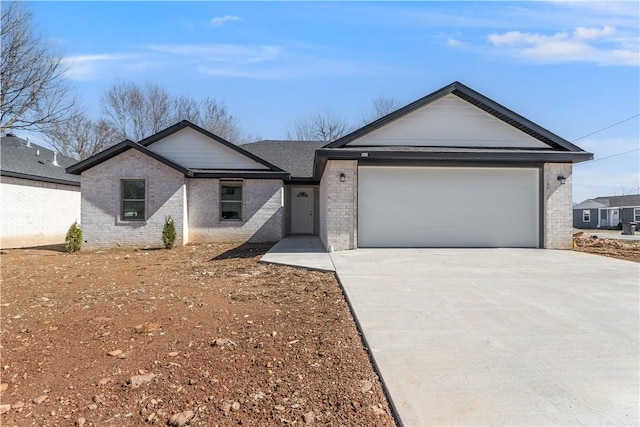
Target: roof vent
55,159
10,134
28,142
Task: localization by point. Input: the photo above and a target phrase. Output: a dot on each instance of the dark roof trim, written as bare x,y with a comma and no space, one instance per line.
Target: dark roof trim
242,174
325,154
536,156
120,148
475,98
303,181
187,124
39,178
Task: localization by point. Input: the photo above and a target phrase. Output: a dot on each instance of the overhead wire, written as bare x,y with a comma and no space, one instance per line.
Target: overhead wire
603,129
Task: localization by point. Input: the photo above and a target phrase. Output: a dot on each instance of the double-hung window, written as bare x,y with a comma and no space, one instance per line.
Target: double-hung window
133,199
586,215
636,215
231,200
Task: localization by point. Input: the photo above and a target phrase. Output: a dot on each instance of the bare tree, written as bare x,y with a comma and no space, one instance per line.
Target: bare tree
318,127
137,111
380,107
217,119
185,108
34,91
80,137
633,188
140,111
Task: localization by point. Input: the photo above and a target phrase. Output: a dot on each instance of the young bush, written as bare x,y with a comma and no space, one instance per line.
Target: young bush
73,241
169,233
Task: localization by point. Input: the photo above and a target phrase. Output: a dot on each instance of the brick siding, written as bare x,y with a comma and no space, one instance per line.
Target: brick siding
102,225
557,211
263,212
34,213
338,205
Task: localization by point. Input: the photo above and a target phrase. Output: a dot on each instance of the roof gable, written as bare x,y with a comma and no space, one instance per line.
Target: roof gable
118,149
463,110
197,148
589,204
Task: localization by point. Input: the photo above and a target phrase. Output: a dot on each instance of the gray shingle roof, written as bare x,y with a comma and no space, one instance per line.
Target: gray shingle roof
34,162
630,200
589,204
295,157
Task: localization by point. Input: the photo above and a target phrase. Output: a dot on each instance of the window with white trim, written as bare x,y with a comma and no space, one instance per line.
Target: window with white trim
231,200
586,215
133,199
636,214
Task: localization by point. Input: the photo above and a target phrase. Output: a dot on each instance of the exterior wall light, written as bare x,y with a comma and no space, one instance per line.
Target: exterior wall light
342,177
562,179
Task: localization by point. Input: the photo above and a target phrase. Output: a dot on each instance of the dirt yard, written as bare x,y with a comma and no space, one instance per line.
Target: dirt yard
199,335
622,249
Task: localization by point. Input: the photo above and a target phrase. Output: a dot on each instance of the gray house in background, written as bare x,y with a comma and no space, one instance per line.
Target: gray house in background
607,212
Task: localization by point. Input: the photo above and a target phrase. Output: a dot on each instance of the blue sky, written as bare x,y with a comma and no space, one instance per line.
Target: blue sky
571,67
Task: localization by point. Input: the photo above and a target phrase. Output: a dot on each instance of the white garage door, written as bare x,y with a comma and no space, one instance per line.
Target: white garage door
448,207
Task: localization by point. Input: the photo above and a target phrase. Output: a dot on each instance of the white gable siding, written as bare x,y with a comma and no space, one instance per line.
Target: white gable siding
449,122
192,149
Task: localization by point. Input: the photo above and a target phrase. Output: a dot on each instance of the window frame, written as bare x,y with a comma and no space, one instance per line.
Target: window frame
123,200
636,215
235,184
586,215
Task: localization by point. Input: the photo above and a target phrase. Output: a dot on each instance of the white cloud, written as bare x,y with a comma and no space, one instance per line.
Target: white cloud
602,45
89,67
221,52
220,20
514,38
594,33
451,42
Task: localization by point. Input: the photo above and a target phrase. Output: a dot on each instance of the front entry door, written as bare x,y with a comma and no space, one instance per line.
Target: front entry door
302,210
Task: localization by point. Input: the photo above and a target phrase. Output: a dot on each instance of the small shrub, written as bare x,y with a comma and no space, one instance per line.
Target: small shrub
169,233
73,241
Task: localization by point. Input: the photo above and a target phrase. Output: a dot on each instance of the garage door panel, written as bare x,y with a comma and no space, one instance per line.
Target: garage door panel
448,207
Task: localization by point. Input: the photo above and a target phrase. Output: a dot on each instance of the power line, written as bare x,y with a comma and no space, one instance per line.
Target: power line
606,127
608,157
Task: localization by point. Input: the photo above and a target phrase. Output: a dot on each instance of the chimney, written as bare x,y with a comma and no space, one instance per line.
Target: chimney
55,159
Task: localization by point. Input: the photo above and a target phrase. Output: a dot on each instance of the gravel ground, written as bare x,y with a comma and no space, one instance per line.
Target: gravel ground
199,335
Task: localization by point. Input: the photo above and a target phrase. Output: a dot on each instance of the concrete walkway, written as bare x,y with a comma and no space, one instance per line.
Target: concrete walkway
500,337
300,251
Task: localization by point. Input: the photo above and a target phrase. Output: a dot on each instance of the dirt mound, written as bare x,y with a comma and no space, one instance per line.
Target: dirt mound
615,248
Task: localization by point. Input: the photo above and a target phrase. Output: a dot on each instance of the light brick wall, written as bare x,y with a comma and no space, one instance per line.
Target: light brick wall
558,211
34,213
101,203
263,212
338,205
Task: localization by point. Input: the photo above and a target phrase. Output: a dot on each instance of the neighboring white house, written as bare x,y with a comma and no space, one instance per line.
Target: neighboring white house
38,200
452,169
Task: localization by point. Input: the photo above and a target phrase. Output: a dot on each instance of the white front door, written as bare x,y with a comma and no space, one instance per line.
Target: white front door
615,218
302,210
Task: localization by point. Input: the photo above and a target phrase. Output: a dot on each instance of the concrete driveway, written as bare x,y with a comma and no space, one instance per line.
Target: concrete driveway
504,337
